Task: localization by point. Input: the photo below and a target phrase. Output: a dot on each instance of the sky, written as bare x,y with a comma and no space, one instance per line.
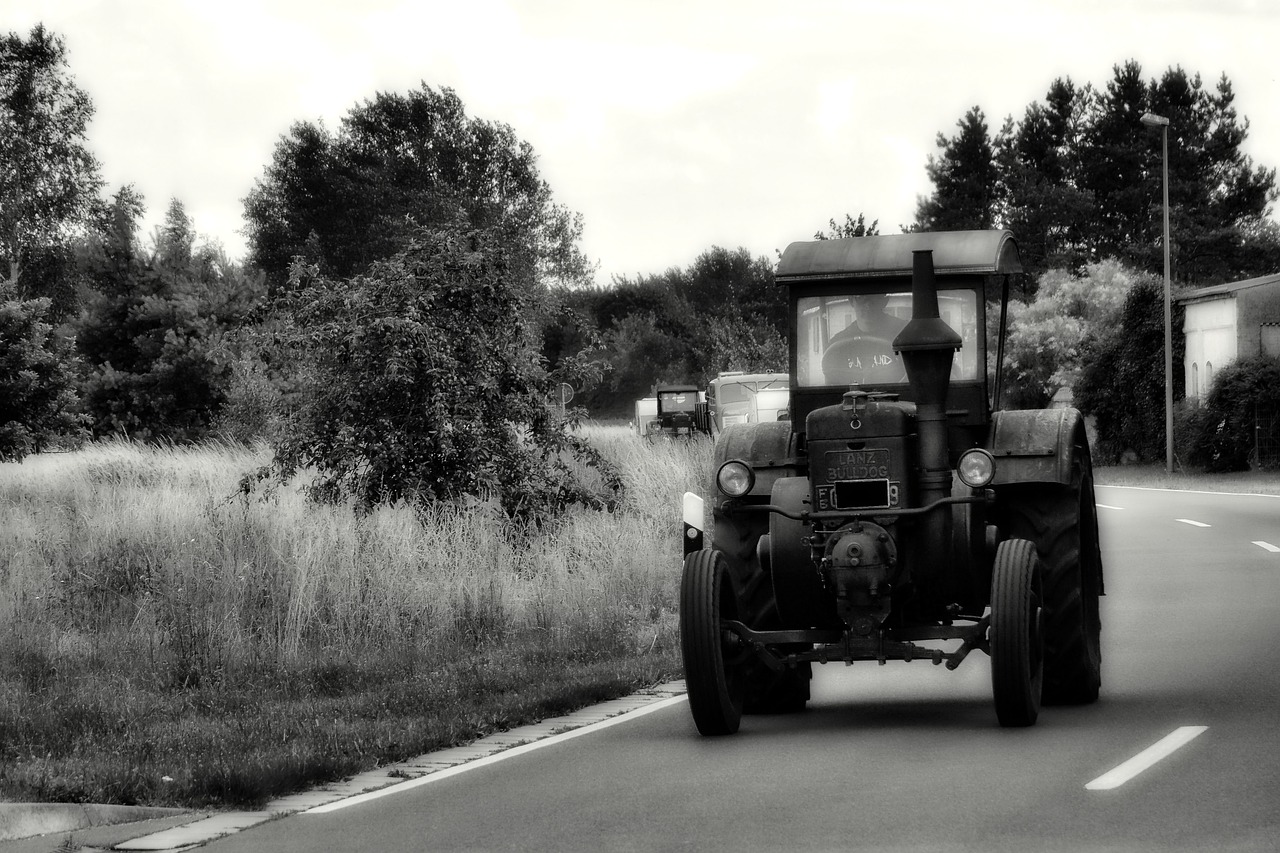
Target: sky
671,126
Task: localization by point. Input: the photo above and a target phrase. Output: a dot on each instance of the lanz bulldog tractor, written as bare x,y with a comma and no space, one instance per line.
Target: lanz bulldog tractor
895,508
680,413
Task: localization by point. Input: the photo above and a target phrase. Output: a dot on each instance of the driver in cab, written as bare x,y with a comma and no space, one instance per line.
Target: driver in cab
863,350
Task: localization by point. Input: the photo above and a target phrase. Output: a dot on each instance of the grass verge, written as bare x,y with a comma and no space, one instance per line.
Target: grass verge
241,743
1154,477
167,641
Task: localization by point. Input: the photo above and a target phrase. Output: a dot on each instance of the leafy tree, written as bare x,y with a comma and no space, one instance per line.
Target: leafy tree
733,285
1049,336
425,384
1113,164
1122,381
1079,179
152,334
1216,194
657,295
345,200
723,312
964,180
642,354
1038,196
736,344
48,178
37,397
849,228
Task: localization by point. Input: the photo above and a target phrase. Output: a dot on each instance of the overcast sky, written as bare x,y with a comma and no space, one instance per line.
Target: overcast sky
671,125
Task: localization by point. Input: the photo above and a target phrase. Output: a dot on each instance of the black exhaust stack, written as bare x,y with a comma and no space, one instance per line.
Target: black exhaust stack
928,346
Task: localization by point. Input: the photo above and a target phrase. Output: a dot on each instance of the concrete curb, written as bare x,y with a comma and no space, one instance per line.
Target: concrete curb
23,820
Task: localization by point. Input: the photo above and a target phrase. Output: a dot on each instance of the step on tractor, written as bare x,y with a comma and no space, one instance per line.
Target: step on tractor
899,515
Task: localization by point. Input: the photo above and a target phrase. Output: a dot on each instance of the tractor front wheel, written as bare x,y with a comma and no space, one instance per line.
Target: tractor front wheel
1063,522
713,657
1016,636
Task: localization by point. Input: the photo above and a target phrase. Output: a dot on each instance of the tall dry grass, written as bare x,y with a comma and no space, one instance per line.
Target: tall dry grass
133,579
155,554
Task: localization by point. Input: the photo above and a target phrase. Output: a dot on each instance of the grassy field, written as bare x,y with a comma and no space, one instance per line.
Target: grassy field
164,640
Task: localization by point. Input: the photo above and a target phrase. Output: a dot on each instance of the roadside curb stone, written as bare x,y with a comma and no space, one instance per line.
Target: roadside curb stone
20,820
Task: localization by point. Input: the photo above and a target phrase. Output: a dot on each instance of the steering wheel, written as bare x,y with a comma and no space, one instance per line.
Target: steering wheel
864,359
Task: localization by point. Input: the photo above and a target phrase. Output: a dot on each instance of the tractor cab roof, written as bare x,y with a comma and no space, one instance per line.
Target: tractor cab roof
955,253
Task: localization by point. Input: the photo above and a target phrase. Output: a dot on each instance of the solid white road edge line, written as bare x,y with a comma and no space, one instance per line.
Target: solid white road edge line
1161,749
1108,506
496,757
1267,546
1186,491
1192,522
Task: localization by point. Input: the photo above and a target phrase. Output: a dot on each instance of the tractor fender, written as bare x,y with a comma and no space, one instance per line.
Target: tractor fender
1037,445
769,448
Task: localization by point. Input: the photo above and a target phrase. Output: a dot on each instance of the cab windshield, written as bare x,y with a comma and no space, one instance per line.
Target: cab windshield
678,401
848,339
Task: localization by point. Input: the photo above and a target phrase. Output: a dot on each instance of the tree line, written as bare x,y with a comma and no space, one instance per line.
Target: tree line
1079,180
413,293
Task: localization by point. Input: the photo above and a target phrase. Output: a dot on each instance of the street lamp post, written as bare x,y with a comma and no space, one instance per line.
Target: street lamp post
1153,120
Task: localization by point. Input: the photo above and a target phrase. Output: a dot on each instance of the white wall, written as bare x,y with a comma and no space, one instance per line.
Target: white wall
1210,329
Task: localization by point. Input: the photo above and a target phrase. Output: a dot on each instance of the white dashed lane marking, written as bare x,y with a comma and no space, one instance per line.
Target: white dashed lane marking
1267,546
1158,751
1108,506
1193,523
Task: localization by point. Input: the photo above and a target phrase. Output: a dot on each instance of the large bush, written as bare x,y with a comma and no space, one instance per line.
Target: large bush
1122,383
1223,437
423,382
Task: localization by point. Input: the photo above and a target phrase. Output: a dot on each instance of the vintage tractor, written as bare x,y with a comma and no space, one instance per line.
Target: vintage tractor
895,516
681,413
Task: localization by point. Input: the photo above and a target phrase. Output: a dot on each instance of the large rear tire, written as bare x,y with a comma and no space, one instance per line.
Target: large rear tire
713,669
1016,637
1063,523
767,691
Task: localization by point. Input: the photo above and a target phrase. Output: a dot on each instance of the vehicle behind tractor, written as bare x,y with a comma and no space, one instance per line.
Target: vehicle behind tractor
681,412
744,398
899,514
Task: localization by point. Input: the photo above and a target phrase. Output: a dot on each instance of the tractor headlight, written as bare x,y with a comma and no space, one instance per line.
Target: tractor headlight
976,468
735,478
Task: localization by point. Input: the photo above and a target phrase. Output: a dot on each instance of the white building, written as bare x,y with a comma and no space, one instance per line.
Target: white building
1228,321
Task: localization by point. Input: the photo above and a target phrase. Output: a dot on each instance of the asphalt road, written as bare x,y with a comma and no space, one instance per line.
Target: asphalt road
909,757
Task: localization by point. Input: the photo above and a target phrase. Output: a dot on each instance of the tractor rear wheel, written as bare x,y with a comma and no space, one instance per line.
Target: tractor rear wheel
1063,522
1016,638
713,657
767,691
